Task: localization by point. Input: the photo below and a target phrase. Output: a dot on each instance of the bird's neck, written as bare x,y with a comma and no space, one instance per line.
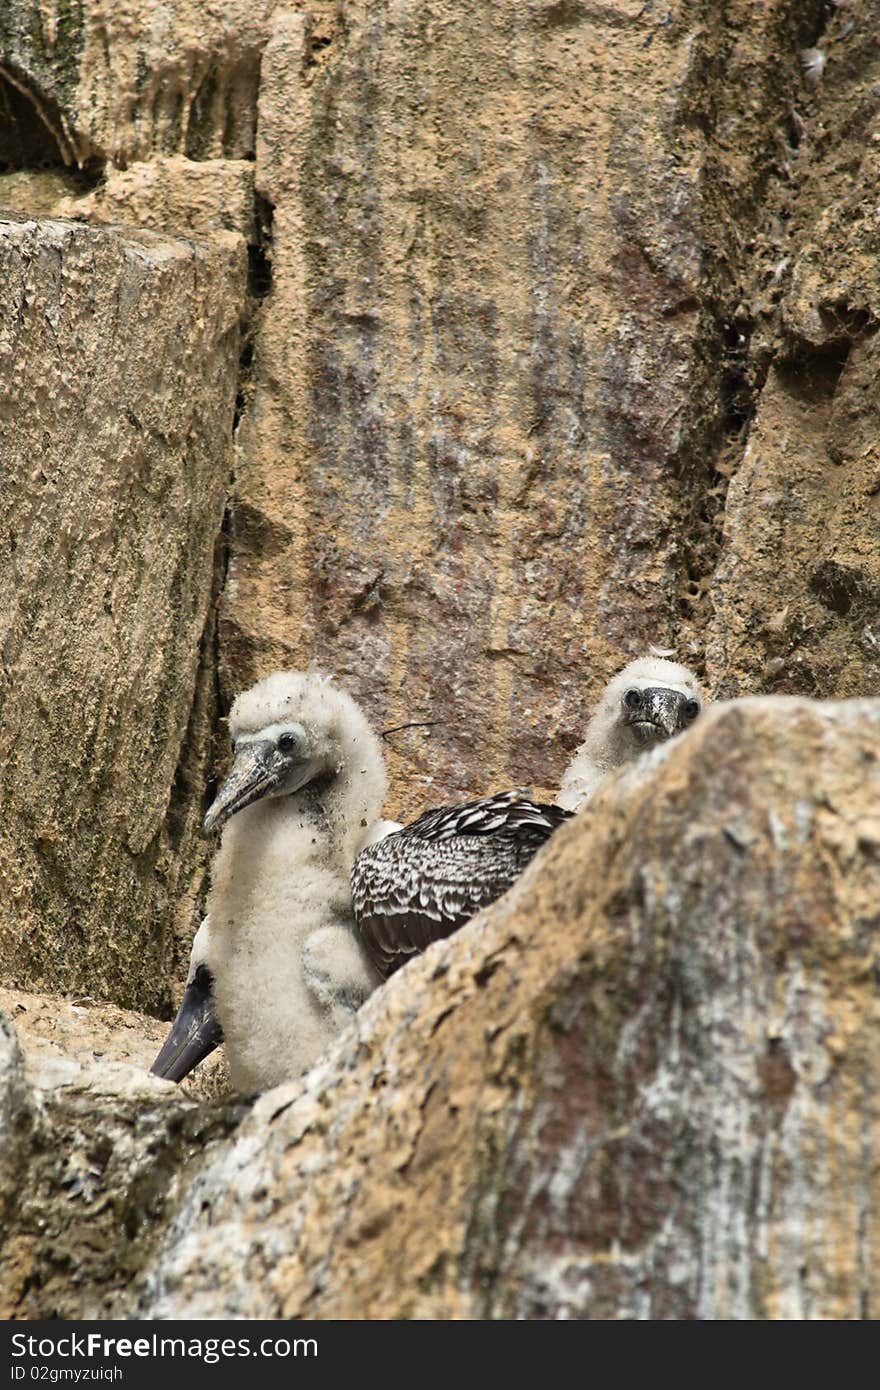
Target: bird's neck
316,793
617,747
605,748
276,839
311,820
279,873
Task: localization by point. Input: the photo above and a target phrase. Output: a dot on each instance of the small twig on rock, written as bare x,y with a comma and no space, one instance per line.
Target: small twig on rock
413,724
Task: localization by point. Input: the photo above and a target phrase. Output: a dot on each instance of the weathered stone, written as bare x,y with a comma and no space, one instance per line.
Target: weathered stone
51,1027
183,196
98,1151
644,1084
796,597
36,193
488,380
122,79
16,1118
118,358
457,483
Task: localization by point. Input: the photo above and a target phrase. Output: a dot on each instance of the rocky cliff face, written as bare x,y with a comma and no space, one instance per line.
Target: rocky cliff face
795,597
466,350
642,1085
118,355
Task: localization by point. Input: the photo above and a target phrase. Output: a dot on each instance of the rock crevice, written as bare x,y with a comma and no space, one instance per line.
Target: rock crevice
466,351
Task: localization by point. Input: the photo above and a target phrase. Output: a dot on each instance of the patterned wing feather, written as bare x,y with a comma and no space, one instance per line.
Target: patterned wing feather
422,883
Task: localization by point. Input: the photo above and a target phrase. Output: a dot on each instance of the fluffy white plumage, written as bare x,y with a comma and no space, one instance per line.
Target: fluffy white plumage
288,968
813,62
618,732
381,828
201,948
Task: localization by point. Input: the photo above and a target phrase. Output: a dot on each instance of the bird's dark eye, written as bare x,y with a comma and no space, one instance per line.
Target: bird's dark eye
632,699
691,709
286,743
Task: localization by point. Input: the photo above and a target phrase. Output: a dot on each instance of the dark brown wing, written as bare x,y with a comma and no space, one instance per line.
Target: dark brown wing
422,883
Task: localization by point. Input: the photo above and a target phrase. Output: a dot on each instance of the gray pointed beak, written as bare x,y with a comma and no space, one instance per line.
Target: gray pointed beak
255,773
661,714
665,708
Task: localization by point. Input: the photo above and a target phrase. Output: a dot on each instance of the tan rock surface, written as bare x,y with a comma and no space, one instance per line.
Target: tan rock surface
53,1027
643,1085
91,1160
183,196
500,376
118,360
456,483
796,597
36,193
125,79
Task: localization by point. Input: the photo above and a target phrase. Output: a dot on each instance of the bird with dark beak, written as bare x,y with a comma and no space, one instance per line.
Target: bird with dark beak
649,701
277,968
276,761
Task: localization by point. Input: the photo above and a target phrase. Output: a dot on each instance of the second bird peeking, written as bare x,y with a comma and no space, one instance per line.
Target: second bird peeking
278,961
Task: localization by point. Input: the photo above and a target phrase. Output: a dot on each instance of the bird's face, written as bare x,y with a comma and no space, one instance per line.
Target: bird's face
275,761
652,713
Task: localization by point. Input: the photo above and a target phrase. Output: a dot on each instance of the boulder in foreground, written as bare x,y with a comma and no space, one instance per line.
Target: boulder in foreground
642,1085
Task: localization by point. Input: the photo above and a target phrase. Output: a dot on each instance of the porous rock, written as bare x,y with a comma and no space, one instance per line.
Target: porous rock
93,1154
52,1027
644,1084
118,360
